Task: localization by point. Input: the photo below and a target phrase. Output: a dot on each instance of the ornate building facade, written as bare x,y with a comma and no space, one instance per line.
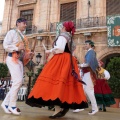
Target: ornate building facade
0,27
89,17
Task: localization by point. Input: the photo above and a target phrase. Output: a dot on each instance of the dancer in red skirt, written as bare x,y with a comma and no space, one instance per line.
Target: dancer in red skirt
56,85
102,90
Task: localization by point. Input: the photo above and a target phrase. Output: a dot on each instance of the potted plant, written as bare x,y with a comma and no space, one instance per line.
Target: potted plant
3,70
37,74
114,82
3,74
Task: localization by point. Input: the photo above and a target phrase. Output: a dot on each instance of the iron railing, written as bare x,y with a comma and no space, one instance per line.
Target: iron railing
84,23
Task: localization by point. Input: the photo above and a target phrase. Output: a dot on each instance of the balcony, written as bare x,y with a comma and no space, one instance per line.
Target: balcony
84,23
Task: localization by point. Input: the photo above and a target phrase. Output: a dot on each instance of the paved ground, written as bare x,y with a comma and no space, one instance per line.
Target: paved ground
29,113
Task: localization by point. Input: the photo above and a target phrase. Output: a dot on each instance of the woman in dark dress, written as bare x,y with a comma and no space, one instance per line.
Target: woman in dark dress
102,90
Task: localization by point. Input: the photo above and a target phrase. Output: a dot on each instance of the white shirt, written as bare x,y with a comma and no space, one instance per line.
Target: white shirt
89,49
60,45
107,75
11,40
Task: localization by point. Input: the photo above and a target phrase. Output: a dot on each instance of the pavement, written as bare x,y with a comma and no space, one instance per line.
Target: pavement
33,113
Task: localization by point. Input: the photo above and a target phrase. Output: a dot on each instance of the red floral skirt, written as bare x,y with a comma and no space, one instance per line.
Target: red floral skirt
56,86
103,93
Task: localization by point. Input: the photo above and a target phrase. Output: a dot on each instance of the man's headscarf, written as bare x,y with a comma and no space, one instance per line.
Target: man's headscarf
69,26
90,42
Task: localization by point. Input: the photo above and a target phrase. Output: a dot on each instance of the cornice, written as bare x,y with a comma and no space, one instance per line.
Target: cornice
26,3
78,31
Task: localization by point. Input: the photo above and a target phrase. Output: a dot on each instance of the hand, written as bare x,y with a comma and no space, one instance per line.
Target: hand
32,54
21,47
47,52
54,52
29,55
84,65
81,65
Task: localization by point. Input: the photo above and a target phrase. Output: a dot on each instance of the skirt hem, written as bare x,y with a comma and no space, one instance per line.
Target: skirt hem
34,102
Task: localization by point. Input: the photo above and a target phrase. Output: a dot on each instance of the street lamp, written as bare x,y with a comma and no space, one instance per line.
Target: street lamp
31,71
38,58
89,4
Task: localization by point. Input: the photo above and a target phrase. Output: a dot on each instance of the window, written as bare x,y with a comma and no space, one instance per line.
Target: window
28,14
68,11
112,7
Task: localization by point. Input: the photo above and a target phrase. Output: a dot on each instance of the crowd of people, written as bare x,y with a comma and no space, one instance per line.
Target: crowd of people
60,83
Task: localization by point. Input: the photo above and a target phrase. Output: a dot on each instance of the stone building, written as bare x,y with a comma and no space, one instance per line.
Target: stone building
0,27
42,15
1,41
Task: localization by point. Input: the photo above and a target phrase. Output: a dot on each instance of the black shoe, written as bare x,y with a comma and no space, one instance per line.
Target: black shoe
100,109
55,116
63,112
51,108
104,109
59,114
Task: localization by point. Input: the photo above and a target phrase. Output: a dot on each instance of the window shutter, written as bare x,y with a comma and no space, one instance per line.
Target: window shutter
68,11
112,7
28,15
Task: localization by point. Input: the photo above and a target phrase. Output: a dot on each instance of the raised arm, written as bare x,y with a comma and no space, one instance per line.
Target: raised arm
60,45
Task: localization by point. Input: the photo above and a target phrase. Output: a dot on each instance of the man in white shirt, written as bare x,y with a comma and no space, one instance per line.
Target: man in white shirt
11,46
89,68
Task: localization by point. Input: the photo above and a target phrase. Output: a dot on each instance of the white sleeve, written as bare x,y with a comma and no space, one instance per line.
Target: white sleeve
81,73
60,45
8,42
107,74
84,65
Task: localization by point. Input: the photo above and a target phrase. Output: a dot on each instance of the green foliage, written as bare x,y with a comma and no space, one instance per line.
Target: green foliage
3,70
114,68
37,74
30,73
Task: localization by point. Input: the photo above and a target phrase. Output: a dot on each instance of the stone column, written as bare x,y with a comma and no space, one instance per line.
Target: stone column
7,16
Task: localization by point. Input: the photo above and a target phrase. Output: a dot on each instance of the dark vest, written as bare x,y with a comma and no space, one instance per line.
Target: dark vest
68,38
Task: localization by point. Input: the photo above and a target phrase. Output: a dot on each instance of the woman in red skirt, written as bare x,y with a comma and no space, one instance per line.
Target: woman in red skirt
102,90
56,85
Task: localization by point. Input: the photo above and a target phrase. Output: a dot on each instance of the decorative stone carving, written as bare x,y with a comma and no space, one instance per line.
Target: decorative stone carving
26,1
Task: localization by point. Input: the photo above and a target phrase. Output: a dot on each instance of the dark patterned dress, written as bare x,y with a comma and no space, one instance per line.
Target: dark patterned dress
102,91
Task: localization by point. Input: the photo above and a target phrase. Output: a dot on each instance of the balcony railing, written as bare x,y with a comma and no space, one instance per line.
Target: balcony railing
31,29
84,23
